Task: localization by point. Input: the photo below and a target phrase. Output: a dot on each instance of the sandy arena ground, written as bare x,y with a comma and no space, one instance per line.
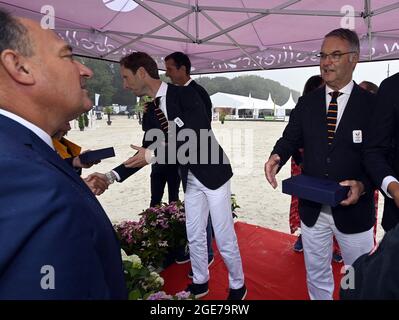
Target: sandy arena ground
248,145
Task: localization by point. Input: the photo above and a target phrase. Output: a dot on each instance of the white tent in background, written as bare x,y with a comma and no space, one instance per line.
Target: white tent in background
244,107
290,104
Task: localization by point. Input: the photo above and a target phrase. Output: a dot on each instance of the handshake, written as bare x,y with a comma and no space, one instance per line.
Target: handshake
99,182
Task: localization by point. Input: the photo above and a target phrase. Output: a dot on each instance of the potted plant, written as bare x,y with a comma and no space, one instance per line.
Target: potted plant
158,233
86,119
222,117
81,122
108,111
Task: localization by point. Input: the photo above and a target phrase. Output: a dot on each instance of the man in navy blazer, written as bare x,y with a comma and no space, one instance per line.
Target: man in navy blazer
204,168
381,156
56,240
333,151
178,68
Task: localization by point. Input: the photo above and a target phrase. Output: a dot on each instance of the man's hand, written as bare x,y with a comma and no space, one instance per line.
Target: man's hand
393,190
97,182
355,191
140,159
76,163
271,167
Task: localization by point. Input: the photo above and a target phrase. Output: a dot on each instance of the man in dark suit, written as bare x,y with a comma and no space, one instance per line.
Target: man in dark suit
381,156
331,123
375,275
203,165
178,68
56,240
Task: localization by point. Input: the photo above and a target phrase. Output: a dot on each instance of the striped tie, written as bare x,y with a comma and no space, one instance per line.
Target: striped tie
332,116
160,115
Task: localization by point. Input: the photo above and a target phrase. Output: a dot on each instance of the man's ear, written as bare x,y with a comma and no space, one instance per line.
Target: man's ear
142,72
17,67
354,57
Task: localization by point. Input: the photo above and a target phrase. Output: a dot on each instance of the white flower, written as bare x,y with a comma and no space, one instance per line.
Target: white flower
160,281
134,259
136,262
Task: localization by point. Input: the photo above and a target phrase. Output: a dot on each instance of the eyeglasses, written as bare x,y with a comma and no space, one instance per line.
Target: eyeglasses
335,56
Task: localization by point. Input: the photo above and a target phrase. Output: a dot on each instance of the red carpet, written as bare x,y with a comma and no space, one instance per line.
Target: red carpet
273,271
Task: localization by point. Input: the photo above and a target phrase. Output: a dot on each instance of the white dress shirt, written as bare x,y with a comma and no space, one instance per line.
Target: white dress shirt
342,101
161,93
39,132
188,82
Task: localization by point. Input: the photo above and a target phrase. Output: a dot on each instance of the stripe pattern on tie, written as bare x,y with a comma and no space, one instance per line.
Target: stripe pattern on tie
160,115
332,114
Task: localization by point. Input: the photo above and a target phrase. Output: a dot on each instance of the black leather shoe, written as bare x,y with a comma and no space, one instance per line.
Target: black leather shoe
237,294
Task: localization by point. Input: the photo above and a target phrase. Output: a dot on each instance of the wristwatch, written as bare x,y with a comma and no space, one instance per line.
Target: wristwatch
111,177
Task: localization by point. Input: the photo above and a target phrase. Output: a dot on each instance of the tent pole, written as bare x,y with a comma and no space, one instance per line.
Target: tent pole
367,16
150,32
232,40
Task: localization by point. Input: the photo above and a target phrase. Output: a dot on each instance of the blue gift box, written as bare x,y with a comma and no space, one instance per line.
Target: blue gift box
315,189
97,155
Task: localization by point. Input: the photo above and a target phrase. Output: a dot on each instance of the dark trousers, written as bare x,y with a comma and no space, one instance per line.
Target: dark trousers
162,174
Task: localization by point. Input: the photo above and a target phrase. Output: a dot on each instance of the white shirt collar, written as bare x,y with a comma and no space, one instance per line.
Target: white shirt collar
188,82
163,89
345,90
39,132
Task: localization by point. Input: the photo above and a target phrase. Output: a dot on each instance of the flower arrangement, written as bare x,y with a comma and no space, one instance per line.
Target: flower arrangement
161,295
146,245
142,283
160,230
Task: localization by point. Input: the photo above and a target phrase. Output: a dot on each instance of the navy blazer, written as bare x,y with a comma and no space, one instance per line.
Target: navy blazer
204,96
381,156
185,103
49,217
307,128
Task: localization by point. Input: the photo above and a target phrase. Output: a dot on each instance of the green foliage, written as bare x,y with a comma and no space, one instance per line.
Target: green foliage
140,281
86,119
102,80
139,107
160,230
234,204
108,83
108,110
81,122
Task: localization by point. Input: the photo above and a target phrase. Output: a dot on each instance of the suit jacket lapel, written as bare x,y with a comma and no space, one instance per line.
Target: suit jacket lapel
52,157
28,138
171,102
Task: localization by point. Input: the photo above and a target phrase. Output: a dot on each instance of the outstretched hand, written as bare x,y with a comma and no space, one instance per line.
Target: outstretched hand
140,159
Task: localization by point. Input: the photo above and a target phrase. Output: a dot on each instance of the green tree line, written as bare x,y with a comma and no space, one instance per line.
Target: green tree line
108,83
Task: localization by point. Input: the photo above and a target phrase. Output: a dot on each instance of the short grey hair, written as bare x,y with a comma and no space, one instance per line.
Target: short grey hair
14,35
348,35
